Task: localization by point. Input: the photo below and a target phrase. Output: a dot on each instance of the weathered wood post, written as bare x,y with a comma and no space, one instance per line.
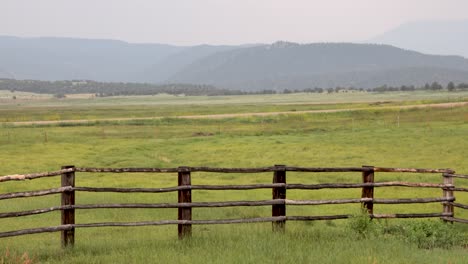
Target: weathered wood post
68,215
279,176
185,196
447,193
368,192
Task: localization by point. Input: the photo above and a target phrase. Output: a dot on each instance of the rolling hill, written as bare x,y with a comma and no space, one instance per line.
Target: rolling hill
68,58
285,65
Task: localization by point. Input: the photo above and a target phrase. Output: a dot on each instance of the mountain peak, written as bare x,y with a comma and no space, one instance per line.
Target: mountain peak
283,44
444,37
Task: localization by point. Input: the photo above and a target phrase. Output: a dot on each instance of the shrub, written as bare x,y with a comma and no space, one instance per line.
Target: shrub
362,224
433,234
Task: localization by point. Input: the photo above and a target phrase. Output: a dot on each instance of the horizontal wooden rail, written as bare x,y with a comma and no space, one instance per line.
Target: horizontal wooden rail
422,215
373,200
374,184
459,205
123,170
35,193
221,170
36,230
305,169
263,169
34,212
379,169
453,219
192,222
180,205
228,204
262,203
456,175
213,222
459,189
178,188
317,217
263,186
145,223
22,177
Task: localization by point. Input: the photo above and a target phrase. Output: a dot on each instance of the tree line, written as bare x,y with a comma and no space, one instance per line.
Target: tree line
102,89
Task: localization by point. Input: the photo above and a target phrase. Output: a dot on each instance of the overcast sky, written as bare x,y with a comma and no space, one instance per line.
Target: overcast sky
188,22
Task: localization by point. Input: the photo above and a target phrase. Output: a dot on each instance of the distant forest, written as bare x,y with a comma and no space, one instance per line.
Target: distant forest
102,89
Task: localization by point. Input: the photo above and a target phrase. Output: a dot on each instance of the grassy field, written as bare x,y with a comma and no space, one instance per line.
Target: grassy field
431,137
30,107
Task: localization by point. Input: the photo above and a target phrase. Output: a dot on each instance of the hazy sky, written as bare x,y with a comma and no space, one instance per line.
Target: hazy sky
188,22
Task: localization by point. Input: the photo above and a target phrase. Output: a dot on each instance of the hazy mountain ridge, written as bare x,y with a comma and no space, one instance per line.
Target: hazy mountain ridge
297,66
69,58
172,64
432,37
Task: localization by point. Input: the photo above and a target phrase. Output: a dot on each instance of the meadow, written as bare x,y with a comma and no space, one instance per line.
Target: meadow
429,137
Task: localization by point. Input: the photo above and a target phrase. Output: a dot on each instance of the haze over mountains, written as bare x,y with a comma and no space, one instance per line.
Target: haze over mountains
299,66
281,65
432,37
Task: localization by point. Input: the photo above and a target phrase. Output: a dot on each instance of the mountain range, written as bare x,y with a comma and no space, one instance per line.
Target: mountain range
277,66
431,37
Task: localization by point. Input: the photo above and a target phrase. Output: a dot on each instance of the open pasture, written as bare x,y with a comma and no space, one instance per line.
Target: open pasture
46,108
430,137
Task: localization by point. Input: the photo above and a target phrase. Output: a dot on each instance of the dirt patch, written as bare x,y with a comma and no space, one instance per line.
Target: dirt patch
380,103
202,134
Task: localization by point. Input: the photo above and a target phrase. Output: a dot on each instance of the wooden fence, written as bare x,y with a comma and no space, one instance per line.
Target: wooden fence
185,204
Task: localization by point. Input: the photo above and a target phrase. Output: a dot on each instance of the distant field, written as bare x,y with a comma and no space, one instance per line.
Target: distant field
429,137
50,109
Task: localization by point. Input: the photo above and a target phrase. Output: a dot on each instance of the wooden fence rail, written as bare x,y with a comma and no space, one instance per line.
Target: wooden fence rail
229,187
278,203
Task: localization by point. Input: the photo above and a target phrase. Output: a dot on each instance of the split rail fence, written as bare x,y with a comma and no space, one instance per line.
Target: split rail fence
185,204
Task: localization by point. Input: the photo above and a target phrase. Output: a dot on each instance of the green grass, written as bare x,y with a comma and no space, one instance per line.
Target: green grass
434,138
49,109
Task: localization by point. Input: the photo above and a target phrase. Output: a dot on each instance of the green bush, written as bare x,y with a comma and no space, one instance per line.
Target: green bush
426,234
433,234
362,224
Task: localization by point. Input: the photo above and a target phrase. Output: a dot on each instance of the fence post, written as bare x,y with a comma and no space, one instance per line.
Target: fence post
368,192
68,215
446,193
279,176
185,196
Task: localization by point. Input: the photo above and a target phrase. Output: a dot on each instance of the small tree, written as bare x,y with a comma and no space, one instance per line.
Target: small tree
436,86
59,95
451,87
